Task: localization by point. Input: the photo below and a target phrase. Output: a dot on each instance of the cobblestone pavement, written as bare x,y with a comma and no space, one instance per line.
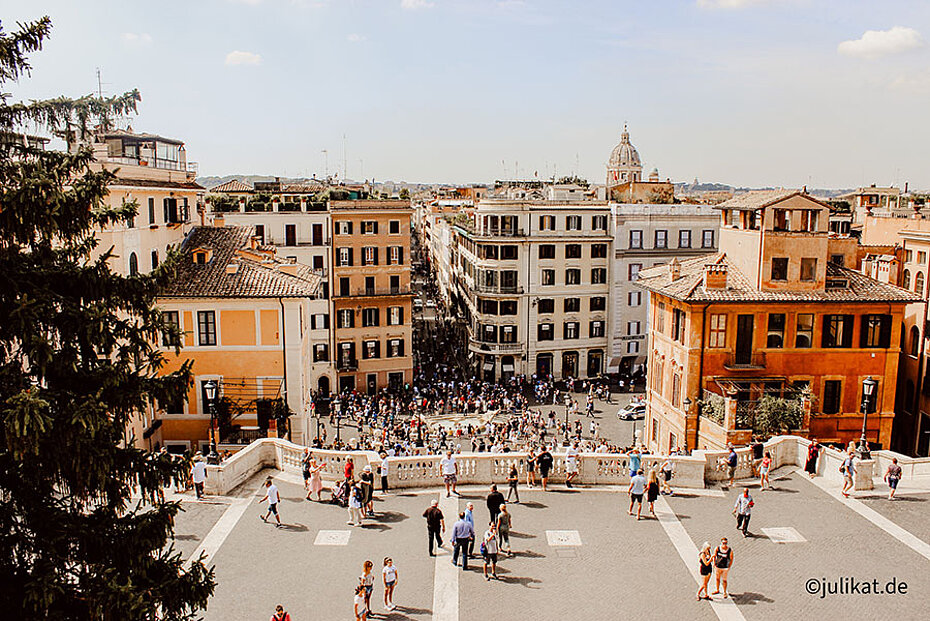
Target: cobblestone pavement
576,553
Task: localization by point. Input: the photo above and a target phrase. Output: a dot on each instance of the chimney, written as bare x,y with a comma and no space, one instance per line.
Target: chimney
674,269
253,242
715,276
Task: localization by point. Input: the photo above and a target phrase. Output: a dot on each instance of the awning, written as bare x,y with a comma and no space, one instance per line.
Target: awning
640,360
507,368
613,365
488,366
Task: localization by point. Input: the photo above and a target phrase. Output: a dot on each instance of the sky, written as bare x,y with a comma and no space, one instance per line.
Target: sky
828,94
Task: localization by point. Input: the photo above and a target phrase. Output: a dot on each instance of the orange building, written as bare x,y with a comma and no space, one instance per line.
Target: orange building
371,295
244,318
771,314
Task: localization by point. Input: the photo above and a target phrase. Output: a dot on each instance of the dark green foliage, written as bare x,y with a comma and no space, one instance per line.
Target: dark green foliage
77,360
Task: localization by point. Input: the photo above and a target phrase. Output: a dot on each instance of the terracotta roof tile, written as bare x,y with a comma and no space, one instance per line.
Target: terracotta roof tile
233,185
254,278
689,286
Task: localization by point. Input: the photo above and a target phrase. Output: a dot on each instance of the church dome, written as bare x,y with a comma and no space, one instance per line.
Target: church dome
624,154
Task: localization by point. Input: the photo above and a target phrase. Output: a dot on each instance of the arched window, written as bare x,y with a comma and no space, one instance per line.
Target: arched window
133,264
906,280
915,341
919,283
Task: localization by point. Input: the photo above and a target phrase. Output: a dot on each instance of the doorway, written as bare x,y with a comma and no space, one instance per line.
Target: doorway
543,365
570,364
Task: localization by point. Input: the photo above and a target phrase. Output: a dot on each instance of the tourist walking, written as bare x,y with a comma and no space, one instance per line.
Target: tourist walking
389,575
199,475
732,460
361,611
316,479
504,522
758,450
764,468
667,476
723,562
462,533
305,470
848,470
743,511
706,561
367,483
280,614
489,550
652,490
450,470
367,580
813,451
435,525
273,498
356,496
636,490
470,518
494,501
571,464
512,479
892,476
544,460
384,472
349,470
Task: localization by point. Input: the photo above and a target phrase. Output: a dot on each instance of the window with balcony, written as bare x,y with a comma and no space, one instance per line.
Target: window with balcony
572,305
598,303
572,276
598,275
547,251
780,268
718,331
546,306
573,251
776,331
544,332
570,330
489,333
508,334
347,355
804,331
837,331
636,239
661,240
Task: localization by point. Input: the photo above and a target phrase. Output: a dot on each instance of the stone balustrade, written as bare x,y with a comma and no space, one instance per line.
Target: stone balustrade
593,468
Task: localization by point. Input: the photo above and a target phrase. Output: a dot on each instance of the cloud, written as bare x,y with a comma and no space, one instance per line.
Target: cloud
915,83
877,43
242,58
412,5
133,39
356,38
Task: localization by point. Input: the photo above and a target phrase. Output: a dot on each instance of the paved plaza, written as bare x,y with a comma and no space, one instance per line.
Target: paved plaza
577,554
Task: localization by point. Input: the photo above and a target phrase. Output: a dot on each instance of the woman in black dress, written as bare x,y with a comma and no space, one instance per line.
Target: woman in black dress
531,467
813,451
706,560
652,489
368,491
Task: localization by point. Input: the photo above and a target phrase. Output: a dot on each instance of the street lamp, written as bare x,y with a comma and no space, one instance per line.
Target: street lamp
209,389
337,404
868,389
687,405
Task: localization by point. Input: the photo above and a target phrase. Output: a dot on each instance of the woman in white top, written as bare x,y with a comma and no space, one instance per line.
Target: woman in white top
389,574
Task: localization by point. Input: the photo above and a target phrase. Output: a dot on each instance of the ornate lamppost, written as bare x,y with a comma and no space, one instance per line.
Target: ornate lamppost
209,389
868,390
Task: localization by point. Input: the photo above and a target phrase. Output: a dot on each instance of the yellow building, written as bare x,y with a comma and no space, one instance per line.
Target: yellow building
245,320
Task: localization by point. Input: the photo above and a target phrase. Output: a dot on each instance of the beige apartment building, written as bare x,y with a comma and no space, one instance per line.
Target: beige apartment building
153,172
371,294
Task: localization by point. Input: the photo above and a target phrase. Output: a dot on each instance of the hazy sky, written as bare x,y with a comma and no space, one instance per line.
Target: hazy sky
831,93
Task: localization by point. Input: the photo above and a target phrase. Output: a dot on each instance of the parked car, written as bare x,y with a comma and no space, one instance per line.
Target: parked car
633,411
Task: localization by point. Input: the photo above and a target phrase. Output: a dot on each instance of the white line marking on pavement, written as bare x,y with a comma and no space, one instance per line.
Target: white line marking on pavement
907,538
725,609
446,575
217,535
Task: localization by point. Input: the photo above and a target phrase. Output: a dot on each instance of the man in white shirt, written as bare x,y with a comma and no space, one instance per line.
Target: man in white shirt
384,472
743,511
571,463
450,470
199,475
272,496
636,491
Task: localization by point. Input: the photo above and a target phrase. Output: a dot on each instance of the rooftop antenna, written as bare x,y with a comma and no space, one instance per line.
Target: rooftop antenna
344,168
99,85
325,163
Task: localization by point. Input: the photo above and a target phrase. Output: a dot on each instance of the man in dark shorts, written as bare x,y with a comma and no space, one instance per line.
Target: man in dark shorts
636,491
271,495
892,476
544,460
